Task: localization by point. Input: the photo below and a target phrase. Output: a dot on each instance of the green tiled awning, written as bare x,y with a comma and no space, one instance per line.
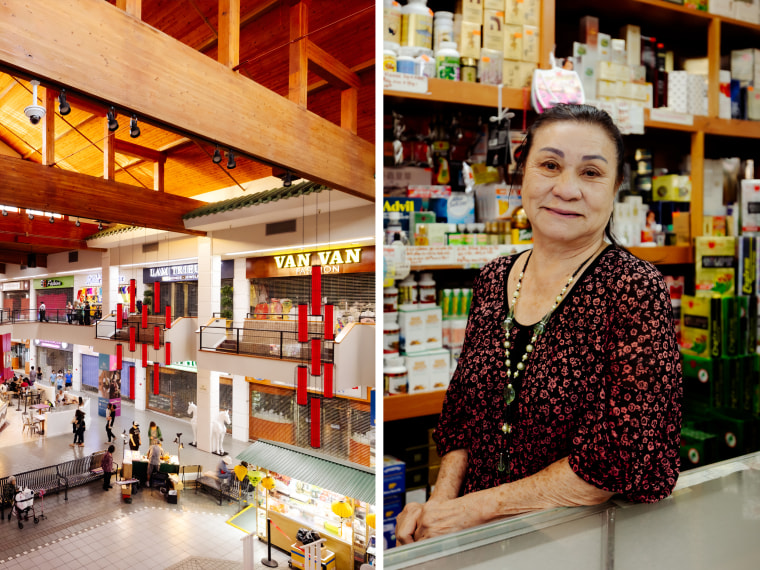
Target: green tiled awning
305,465
248,200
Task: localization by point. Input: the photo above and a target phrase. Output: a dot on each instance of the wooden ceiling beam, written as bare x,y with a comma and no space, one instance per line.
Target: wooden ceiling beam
361,68
298,63
26,184
12,257
261,9
139,151
330,69
20,224
131,7
62,42
51,241
229,33
48,129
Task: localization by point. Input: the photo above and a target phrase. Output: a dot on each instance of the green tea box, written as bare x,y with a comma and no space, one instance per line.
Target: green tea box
715,265
729,326
695,326
700,376
697,448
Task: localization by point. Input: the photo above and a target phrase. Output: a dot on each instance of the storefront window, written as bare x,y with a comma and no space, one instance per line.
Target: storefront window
177,388
225,397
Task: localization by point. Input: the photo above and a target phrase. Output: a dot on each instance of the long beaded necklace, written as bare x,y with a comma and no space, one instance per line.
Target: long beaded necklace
509,392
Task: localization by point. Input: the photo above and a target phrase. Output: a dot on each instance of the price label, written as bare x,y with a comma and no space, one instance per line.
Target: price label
393,81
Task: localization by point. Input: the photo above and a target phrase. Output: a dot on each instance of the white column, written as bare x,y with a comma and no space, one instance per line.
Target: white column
209,280
110,283
241,294
76,370
208,405
241,405
140,380
32,355
32,301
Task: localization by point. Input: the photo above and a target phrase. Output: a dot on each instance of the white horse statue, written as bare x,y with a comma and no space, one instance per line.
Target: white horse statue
218,429
192,410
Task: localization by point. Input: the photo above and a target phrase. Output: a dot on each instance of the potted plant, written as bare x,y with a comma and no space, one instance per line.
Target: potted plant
226,304
148,300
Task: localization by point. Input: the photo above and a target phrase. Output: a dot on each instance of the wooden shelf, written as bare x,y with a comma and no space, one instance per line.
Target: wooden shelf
405,406
730,127
666,255
464,93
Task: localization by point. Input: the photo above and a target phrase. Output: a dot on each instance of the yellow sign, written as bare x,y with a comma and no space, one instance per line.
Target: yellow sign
334,257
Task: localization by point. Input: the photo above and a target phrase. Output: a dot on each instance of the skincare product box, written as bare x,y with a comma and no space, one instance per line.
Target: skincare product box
750,206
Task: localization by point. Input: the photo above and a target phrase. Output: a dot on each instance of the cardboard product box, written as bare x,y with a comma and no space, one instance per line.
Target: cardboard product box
746,274
417,219
433,329
514,12
714,226
494,5
752,321
742,304
389,533
695,326
753,104
418,495
678,91
491,66
697,102
721,7
415,457
439,364
697,448
747,11
531,50
405,176
730,326
682,228
412,333
470,39
418,373
394,476
496,201
672,187
724,94
416,478
531,12
700,376
738,99
472,11
525,71
632,36
586,58
715,260
459,208
392,506
437,233
589,30
736,431
750,206
717,324
604,47
732,389
513,42
750,382
493,30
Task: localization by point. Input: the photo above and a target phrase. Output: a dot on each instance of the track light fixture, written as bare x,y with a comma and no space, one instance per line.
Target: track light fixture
52,220
113,124
217,155
287,179
63,106
100,226
134,130
31,216
78,223
5,212
231,160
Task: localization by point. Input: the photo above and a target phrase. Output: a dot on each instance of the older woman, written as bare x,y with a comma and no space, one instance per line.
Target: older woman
569,384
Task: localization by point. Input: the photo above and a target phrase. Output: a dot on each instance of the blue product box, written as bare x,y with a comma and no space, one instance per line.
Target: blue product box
392,506
394,476
459,208
389,534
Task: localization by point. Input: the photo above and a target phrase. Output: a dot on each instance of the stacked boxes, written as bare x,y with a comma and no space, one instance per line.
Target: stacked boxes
394,487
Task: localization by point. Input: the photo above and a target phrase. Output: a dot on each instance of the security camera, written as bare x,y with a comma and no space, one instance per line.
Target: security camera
34,112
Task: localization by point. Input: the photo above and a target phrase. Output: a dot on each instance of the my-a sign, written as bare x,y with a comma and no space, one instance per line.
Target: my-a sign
326,258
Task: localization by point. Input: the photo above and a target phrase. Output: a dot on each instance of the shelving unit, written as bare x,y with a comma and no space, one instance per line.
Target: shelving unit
405,406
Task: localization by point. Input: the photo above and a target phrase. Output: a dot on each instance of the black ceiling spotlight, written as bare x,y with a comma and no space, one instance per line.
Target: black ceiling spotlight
63,106
287,179
113,124
231,159
52,220
100,226
217,155
78,223
5,212
134,130
31,216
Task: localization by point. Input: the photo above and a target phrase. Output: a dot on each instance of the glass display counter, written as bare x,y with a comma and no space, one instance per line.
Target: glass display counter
712,520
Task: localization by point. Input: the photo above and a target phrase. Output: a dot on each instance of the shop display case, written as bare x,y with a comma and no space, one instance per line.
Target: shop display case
272,414
711,520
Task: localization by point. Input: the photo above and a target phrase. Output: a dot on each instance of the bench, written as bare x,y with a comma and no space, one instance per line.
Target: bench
44,479
211,484
81,471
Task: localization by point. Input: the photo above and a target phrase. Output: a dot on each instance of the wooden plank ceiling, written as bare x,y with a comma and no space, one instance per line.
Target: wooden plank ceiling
343,30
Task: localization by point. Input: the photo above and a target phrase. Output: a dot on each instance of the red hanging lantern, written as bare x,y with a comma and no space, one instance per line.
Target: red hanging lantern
145,316
156,337
144,355
316,290
303,380
157,297
168,353
119,355
131,382
328,379
132,336
168,316
303,323
329,323
132,295
119,315
316,422
156,370
316,356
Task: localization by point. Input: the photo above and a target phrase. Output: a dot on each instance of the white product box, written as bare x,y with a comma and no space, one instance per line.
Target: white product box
745,64
439,363
606,88
747,10
514,12
678,91
472,11
513,42
420,328
724,97
585,64
470,40
639,91
721,7
618,53
712,202
494,5
418,373
511,74
493,30
753,104
531,50
750,204
531,12
632,36
605,47
697,94
525,71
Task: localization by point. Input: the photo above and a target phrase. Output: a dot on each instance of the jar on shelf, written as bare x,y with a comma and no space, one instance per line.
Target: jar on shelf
427,289
447,61
391,21
425,63
468,69
391,335
390,300
408,294
405,60
443,28
396,377
390,53
417,24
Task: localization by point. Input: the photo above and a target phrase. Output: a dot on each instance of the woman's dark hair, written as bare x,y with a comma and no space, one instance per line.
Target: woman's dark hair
152,424
111,449
585,114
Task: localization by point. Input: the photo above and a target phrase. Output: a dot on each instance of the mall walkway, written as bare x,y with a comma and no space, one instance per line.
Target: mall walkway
96,529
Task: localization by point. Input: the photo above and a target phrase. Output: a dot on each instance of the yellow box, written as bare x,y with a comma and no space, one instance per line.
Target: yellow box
493,30
530,44
715,261
513,44
472,11
713,225
470,40
525,71
514,12
671,188
531,12
695,325
494,5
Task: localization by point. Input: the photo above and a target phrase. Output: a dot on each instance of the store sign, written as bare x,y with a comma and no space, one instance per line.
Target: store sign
171,273
16,286
51,344
96,280
344,260
54,282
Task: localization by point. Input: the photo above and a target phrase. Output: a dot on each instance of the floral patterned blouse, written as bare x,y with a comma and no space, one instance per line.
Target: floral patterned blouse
602,387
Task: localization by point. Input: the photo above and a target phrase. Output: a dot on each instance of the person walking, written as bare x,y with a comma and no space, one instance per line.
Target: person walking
69,312
87,313
154,460
107,465
43,312
154,434
68,377
110,413
78,427
134,436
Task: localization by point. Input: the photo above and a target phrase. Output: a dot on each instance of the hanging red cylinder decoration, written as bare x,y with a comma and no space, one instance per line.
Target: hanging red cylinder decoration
316,290
145,316
329,324
144,355
119,355
157,297
131,382
303,380
156,370
316,422
303,324
156,337
119,315
132,336
168,353
132,295
168,316
328,380
316,356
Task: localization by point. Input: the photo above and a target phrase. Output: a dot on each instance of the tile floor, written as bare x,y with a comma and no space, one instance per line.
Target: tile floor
96,529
